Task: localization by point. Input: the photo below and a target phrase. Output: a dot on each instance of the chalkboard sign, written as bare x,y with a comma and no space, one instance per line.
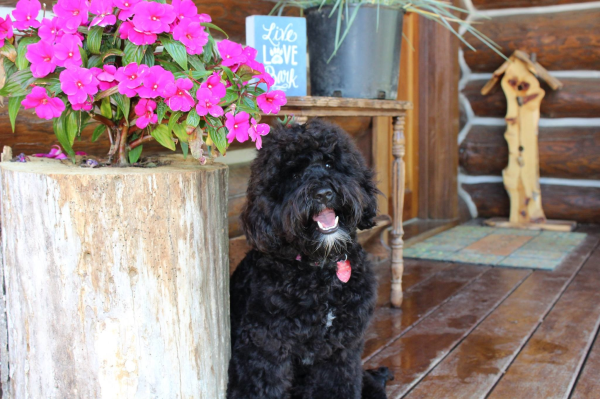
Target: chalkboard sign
281,46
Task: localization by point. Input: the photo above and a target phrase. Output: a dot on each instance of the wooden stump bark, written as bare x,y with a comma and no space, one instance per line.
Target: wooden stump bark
117,280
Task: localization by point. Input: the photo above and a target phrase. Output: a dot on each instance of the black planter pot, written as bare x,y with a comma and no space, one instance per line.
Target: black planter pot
368,61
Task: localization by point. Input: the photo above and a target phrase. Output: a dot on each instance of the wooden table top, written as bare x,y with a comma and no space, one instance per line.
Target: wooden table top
338,106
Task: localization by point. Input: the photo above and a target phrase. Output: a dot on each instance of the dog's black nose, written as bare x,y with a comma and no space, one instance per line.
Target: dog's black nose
324,195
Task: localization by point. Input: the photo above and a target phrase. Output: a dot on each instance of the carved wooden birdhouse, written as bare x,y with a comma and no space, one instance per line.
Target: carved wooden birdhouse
519,80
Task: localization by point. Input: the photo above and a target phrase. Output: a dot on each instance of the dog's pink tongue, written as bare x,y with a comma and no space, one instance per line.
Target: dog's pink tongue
327,218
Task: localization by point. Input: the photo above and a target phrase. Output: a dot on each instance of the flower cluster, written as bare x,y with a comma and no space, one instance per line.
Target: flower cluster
141,68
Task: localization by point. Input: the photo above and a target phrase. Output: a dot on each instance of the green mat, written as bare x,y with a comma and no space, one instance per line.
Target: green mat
498,247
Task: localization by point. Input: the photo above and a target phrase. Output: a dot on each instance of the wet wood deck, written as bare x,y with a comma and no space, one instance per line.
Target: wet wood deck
468,331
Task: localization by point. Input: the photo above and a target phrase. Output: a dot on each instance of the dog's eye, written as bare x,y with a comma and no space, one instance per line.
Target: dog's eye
328,165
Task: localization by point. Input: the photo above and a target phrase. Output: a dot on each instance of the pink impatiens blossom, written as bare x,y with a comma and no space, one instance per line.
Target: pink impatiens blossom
130,78
155,82
262,76
41,56
87,105
178,95
256,131
185,9
106,76
78,83
271,102
208,103
103,9
145,112
192,35
126,7
72,14
66,52
136,36
204,18
45,107
6,30
213,83
153,17
232,53
49,30
238,126
26,13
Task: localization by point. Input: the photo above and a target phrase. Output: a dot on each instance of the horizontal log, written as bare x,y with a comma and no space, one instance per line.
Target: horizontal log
559,202
568,40
579,98
565,152
497,4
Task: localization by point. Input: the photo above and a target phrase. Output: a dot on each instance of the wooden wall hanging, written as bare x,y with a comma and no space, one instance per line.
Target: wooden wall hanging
522,175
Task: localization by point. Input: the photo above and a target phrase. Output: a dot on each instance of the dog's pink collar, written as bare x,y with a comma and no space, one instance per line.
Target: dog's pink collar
344,269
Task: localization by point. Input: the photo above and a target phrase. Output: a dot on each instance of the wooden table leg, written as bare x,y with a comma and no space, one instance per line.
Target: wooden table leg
398,183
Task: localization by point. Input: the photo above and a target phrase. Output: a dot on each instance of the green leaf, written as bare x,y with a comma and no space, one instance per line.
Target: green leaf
84,56
94,39
98,132
14,103
229,74
112,52
207,51
169,66
133,53
123,103
18,84
105,108
176,50
193,119
22,62
217,135
163,136
95,61
61,134
134,155
180,132
231,95
161,109
173,120
184,149
72,126
9,51
250,103
148,57
196,63
215,27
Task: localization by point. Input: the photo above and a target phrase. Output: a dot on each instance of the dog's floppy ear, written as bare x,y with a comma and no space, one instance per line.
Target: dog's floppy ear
258,224
369,212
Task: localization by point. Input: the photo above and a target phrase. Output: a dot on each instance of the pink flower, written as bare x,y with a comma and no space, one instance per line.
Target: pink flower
125,29
103,9
41,56
178,95
192,35
126,7
208,103
72,14
66,52
49,30
45,107
271,102
136,36
26,13
155,82
263,76
204,18
213,83
78,83
238,126
54,152
106,76
232,53
256,132
87,105
130,78
153,17
184,9
6,30
145,112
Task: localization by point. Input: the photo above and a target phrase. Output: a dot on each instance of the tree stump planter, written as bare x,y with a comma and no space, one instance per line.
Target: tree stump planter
117,280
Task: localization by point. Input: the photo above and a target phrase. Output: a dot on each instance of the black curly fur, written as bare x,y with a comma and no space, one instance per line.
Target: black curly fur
283,342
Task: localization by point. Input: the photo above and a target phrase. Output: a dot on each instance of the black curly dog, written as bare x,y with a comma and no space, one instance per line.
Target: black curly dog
303,297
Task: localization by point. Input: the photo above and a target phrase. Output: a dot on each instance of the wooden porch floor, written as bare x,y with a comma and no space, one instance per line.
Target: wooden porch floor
468,331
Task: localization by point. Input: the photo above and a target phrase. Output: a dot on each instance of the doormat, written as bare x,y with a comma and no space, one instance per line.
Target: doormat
533,249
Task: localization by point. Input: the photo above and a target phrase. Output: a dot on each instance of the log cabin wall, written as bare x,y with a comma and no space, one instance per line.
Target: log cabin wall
565,36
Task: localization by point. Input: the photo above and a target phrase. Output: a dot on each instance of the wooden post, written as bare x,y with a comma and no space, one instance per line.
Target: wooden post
398,176
117,280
